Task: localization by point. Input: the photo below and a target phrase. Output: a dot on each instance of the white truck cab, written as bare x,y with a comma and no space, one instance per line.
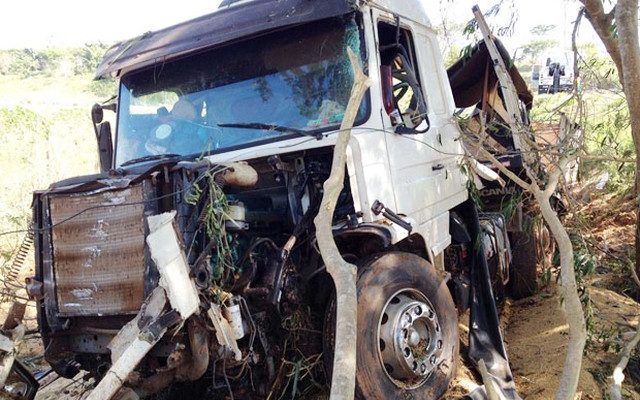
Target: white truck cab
227,124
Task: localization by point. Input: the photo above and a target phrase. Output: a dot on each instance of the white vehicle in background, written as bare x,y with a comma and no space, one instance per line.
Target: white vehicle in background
554,75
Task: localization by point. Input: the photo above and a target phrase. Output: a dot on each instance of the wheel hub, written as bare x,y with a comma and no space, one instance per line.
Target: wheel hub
409,338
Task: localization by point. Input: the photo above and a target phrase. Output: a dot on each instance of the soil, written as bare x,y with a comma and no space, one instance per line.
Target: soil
535,329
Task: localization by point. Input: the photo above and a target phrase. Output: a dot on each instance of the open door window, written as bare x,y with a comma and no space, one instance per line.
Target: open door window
402,95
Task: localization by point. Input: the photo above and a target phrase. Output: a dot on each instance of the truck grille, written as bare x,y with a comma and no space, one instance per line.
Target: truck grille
98,255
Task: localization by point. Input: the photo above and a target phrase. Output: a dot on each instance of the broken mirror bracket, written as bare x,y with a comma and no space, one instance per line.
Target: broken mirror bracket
379,208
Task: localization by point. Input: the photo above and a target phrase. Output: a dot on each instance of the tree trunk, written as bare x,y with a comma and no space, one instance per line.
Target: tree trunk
342,273
602,24
627,24
572,305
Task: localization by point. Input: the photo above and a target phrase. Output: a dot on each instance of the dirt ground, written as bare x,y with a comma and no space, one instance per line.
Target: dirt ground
536,336
536,339
535,330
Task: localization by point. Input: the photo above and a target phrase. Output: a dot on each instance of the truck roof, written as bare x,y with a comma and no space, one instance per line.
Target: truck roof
236,20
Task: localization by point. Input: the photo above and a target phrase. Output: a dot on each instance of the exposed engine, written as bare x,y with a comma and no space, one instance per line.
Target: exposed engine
245,230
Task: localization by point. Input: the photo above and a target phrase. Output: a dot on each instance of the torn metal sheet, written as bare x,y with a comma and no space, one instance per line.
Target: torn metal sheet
21,385
485,338
467,76
10,349
176,286
6,364
221,27
133,341
167,253
152,310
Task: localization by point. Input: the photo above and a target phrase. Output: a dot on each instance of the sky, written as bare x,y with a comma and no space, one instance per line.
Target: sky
67,23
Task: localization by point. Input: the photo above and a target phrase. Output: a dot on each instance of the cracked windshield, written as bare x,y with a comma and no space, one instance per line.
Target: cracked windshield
289,83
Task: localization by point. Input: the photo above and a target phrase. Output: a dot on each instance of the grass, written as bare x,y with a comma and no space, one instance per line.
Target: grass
45,136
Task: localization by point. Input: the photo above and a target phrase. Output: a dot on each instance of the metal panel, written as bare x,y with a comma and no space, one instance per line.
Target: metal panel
99,254
238,21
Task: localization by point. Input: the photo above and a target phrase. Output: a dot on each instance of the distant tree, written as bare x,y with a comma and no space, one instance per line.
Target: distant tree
531,52
542,30
88,57
51,61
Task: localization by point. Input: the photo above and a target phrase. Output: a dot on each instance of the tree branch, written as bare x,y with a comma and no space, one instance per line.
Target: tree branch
342,273
615,390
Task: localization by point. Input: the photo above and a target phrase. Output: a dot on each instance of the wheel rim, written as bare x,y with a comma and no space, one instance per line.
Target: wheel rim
409,338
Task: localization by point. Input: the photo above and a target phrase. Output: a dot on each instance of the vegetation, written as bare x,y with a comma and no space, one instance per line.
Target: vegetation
45,126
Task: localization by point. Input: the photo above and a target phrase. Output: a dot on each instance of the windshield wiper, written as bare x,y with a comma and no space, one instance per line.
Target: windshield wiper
271,127
149,158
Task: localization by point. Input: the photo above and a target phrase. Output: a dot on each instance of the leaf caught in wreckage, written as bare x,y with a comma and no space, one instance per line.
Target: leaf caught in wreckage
212,205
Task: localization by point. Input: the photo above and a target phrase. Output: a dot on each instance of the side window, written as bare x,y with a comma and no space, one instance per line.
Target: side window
402,95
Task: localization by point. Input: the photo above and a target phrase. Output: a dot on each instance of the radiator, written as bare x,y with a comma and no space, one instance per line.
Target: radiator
98,252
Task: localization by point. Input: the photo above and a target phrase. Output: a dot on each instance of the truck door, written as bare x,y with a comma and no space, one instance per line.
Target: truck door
424,152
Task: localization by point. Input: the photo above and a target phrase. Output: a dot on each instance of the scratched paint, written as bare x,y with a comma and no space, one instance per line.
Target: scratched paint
93,252
115,198
99,230
82,293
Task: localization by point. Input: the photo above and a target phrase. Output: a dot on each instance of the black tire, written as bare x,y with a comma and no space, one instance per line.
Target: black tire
523,274
378,281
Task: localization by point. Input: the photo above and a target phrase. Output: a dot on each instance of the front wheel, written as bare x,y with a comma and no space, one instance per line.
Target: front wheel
407,330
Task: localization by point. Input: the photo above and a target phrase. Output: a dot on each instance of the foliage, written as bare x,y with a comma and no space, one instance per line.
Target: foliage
51,61
530,52
38,148
103,88
598,72
542,29
214,214
608,146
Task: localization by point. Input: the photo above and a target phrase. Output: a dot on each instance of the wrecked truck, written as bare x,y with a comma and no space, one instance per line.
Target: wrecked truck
190,261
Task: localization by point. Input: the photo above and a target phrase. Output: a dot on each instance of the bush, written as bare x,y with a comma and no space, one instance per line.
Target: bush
52,61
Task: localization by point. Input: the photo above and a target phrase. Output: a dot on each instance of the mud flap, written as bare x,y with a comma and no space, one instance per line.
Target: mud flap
485,339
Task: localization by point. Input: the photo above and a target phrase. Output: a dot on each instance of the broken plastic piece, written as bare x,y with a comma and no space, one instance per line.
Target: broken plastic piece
164,245
224,331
